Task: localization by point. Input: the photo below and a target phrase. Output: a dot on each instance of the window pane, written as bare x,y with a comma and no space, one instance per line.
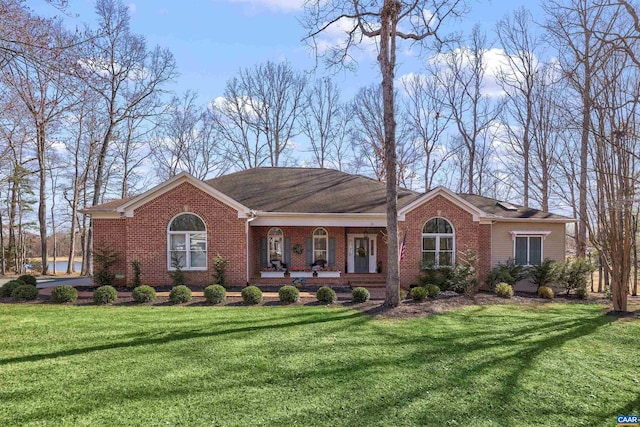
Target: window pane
178,242
320,232
178,259
428,243
320,243
521,250
198,242
187,222
535,250
430,227
275,248
446,258
319,255
198,259
428,259
446,243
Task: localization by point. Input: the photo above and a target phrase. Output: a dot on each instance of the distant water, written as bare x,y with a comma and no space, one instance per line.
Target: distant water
61,266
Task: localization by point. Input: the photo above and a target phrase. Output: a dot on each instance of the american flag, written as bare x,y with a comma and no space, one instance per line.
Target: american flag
404,240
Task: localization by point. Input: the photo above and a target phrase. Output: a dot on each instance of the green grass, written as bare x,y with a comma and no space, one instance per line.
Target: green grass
506,365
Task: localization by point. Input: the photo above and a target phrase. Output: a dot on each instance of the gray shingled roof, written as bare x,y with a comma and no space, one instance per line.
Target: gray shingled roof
493,207
307,190
312,190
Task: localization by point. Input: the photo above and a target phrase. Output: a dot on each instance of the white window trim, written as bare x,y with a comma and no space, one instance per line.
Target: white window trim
528,233
187,235
313,243
437,250
281,245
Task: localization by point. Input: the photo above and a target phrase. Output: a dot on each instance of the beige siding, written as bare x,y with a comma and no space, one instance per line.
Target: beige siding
553,245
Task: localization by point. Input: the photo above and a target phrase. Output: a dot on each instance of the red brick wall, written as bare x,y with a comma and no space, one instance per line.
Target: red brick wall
468,235
108,234
144,236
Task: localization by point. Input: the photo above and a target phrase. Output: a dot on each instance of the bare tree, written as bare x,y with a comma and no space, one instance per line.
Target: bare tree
324,121
462,73
383,21
188,140
427,118
258,114
127,77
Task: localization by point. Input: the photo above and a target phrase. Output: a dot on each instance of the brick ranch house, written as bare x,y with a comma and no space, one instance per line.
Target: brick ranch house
274,224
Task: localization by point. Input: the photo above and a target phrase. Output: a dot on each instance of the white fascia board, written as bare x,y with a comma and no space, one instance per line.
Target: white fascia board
536,220
319,219
476,213
103,214
128,207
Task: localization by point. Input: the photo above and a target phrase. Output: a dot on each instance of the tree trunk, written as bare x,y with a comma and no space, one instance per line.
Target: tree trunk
387,60
42,204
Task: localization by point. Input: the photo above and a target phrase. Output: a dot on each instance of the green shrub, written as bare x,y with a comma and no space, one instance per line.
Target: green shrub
543,274
573,274
582,292
360,294
545,292
289,294
464,278
403,294
326,295
418,293
252,295
64,293
215,294
219,268
432,291
137,273
8,288
180,294
508,272
143,293
105,258
24,293
504,290
442,277
105,295
28,279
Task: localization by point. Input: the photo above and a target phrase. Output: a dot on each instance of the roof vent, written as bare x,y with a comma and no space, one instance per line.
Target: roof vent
507,206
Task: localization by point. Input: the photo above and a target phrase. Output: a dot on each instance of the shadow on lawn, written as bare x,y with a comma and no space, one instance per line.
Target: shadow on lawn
275,323
517,349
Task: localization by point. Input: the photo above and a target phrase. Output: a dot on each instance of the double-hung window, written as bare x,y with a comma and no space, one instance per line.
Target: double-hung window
187,243
528,247
438,242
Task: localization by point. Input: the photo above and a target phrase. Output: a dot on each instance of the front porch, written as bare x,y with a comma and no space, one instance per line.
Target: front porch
367,280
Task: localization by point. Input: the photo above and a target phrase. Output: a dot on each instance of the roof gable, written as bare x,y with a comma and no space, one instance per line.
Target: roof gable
473,210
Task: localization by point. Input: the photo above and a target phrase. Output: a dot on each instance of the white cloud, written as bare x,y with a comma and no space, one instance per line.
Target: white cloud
132,8
286,5
337,36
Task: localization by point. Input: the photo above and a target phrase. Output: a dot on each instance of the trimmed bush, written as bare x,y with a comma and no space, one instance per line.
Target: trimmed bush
180,294
360,294
432,291
8,288
64,293
215,294
143,293
403,294
326,295
105,295
28,279
418,293
252,295
545,292
504,290
289,294
24,293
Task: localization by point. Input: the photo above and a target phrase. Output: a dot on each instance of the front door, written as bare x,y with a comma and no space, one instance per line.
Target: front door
361,255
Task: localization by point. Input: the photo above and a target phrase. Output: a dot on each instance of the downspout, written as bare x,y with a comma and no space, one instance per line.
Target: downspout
251,215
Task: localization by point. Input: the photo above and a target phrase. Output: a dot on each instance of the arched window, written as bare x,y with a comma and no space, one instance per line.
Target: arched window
276,245
187,242
320,245
438,241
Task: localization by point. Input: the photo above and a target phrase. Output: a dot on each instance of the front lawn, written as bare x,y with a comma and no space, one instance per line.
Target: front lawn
500,365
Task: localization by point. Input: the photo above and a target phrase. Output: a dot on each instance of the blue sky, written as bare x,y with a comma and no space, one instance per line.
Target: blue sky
212,39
